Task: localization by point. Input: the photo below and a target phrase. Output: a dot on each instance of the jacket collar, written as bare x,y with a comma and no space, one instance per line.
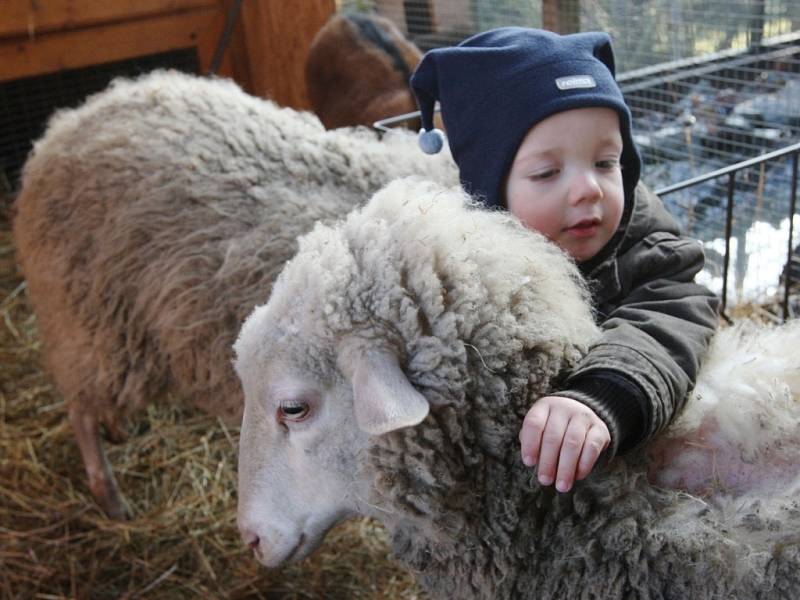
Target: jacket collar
646,215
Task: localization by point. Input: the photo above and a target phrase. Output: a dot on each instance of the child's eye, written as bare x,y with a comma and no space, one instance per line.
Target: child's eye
542,175
611,163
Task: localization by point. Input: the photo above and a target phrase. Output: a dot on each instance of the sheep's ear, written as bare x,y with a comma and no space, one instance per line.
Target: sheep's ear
384,399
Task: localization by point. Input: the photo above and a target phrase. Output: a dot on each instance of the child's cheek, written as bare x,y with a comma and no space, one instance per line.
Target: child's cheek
546,224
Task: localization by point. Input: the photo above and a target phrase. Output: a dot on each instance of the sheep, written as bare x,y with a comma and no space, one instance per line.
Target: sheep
151,220
357,71
736,434
388,375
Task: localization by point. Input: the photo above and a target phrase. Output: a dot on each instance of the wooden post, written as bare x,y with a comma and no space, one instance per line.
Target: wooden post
561,16
394,10
275,38
757,20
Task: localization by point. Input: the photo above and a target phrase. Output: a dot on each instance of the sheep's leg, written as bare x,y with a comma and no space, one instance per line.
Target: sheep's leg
115,431
98,470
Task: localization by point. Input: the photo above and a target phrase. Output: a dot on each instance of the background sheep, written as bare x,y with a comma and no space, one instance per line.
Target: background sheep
395,387
150,222
357,71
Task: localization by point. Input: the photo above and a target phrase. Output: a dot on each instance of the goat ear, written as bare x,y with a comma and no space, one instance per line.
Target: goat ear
383,397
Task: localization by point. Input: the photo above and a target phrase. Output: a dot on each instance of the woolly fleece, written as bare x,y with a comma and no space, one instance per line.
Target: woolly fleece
484,317
155,216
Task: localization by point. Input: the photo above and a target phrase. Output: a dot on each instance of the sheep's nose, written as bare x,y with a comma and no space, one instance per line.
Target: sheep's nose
250,539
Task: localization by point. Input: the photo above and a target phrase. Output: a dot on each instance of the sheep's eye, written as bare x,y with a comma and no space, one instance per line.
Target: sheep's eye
293,410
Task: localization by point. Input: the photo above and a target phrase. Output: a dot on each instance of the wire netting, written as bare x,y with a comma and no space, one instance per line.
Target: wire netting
26,104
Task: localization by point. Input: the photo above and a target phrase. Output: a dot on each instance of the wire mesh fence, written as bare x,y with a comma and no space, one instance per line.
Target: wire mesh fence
26,104
645,32
754,250
710,83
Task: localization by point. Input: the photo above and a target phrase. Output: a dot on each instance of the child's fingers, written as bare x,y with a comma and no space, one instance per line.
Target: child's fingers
552,438
530,436
571,450
597,439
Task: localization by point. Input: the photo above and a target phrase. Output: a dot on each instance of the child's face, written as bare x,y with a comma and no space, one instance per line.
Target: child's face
566,182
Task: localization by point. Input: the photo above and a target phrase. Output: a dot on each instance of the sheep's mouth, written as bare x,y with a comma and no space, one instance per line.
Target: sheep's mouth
310,539
307,541
297,552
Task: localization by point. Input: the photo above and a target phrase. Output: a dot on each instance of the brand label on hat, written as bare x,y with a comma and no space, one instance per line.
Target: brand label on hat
574,82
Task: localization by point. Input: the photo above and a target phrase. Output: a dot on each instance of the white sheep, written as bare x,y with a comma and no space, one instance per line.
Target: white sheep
154,217
388,375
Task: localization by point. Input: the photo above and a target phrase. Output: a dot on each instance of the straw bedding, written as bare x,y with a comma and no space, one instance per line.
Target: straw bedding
177,470
178,473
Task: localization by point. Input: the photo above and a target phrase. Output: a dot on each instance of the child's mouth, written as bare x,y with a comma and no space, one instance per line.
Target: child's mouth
583,229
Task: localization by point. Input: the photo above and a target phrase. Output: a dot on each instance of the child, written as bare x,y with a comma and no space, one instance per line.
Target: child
538,125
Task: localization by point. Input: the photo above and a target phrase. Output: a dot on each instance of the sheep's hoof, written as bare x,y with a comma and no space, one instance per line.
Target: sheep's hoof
98,470
109,499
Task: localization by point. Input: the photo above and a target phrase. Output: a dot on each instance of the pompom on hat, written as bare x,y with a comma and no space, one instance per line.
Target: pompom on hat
431,141
496,85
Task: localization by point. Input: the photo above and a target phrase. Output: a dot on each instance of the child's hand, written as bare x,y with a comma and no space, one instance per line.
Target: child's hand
564,437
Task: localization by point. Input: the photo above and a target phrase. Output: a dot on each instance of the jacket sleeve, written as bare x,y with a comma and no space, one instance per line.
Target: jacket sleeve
655,333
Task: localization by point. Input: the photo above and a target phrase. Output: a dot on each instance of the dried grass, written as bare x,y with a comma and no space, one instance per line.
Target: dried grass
178,474
769,312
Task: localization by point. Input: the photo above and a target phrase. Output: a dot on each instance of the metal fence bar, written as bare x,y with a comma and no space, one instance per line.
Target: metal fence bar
728,233
730,171
384,125
787,282
225,37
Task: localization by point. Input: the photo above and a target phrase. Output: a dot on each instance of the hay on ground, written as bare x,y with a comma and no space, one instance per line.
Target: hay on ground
178,473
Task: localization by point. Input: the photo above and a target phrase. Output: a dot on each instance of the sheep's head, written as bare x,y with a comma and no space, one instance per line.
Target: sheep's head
395,314
320,377
309,413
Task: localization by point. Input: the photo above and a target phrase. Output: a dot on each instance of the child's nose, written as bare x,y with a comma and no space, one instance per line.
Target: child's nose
585,188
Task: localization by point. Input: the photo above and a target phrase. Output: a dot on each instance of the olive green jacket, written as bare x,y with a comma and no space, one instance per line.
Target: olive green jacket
656,325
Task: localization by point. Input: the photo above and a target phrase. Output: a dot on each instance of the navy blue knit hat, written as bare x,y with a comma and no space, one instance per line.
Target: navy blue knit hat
496,85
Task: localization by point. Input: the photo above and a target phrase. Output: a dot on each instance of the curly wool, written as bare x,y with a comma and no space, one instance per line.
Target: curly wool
155,216
485,317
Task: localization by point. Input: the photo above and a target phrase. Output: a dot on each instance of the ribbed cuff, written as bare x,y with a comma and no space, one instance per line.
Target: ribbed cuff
617,400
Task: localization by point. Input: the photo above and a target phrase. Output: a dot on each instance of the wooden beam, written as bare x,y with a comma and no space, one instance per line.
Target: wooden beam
29,18
199,29
277,35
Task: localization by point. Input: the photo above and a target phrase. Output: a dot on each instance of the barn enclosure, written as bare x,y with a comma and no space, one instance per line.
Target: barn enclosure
54,53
